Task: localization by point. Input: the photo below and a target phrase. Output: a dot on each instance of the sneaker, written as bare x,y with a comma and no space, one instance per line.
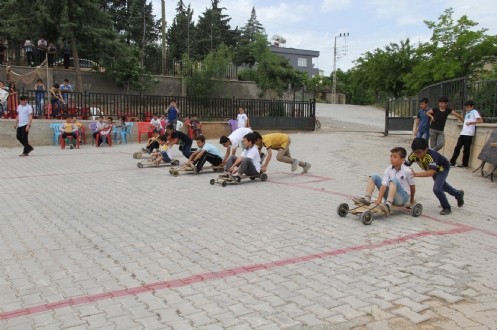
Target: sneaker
385,208
306,168
71,146
460,200
23,155
360,200
30,151
461,165
445,212
452,164
295,165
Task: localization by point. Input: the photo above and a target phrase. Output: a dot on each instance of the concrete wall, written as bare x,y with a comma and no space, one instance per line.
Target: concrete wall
94,82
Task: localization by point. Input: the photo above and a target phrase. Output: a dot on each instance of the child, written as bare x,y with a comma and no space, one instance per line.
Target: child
205,152
280,142
106,130
422,122
396,187
249,163
177,137
164,153
152,143
99,126
242,118
121,127
172,113
471,118
436,166
438,118
233,124
195,125
232,141
69,129
81,128
156,124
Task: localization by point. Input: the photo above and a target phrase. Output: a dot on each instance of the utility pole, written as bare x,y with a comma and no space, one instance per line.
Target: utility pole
342,53
164,48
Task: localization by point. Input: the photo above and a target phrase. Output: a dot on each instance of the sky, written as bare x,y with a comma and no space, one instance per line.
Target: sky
370,24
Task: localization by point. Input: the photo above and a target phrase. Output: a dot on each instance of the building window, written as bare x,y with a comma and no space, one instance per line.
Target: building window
302,62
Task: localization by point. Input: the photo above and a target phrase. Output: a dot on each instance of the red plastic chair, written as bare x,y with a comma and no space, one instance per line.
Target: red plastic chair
144,127
63,141
108,138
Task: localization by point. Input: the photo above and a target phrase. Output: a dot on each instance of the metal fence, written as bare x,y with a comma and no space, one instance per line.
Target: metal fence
142,107
400,113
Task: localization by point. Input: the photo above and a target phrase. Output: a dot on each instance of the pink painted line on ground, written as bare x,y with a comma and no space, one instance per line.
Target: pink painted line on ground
203,277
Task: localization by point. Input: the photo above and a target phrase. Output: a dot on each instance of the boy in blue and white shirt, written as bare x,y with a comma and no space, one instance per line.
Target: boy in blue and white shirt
205,152
471,118
249,163
396,186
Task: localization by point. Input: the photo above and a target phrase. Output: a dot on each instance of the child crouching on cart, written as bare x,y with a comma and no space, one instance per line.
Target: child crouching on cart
164,153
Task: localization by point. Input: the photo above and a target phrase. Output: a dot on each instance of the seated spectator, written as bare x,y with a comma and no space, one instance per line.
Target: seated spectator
69,129
119,128
105,131
195,126
80,127
100,125
156,124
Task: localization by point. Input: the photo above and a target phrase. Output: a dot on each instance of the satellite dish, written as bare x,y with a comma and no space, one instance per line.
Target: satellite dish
278,40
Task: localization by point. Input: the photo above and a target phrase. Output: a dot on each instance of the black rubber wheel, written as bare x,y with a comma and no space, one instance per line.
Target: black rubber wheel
367,217
140,165
263,177
224,184
252,178
343,209
175,173
238,179
212,182
175,162
417,210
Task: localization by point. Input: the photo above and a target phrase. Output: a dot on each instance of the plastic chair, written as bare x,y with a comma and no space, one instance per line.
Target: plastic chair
108,138
144,127
69,138
56,130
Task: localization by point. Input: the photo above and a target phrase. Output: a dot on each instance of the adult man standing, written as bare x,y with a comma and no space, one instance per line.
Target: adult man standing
23,124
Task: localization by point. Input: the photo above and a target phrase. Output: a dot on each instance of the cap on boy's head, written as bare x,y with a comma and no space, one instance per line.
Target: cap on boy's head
224,139
419,144
469,103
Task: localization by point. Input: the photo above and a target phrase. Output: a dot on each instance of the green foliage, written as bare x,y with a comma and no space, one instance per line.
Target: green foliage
212,30
455,50
248,35
273,73
130,73
181,34
203,80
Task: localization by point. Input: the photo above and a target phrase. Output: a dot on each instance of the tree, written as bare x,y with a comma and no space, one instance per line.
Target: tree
455,50
273,73
212,30
181,34
205,76
248,35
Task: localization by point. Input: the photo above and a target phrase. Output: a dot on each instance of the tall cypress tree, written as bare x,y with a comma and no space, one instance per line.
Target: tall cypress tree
181,34
249,33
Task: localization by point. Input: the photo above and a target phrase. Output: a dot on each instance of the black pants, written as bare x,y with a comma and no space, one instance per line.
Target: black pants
463,141
22,136
73,134
207,157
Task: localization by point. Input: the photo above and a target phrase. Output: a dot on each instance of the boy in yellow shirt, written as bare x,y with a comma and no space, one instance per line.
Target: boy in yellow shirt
69,129
280,142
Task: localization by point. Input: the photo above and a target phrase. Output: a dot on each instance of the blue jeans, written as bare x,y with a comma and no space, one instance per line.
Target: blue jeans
186,150
165,157
423,133
440,187
401,196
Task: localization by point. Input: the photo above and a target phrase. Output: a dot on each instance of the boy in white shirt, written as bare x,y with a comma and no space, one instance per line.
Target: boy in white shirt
396,187
156,124
249,163
471,118
242,118
232,141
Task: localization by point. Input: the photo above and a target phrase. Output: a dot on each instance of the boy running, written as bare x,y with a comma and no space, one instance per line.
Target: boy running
436,166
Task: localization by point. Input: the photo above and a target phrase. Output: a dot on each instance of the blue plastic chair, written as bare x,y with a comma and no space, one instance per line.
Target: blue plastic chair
56,130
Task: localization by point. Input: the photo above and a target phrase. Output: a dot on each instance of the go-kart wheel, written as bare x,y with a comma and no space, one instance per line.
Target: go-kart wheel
263,177
343,209
140,165
223,184
171,171
138,155
237,179
416,210
175,173
212,182
367,217
252,178
175,162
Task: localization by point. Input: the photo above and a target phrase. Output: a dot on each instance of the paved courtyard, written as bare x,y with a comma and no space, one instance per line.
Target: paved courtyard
90,241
